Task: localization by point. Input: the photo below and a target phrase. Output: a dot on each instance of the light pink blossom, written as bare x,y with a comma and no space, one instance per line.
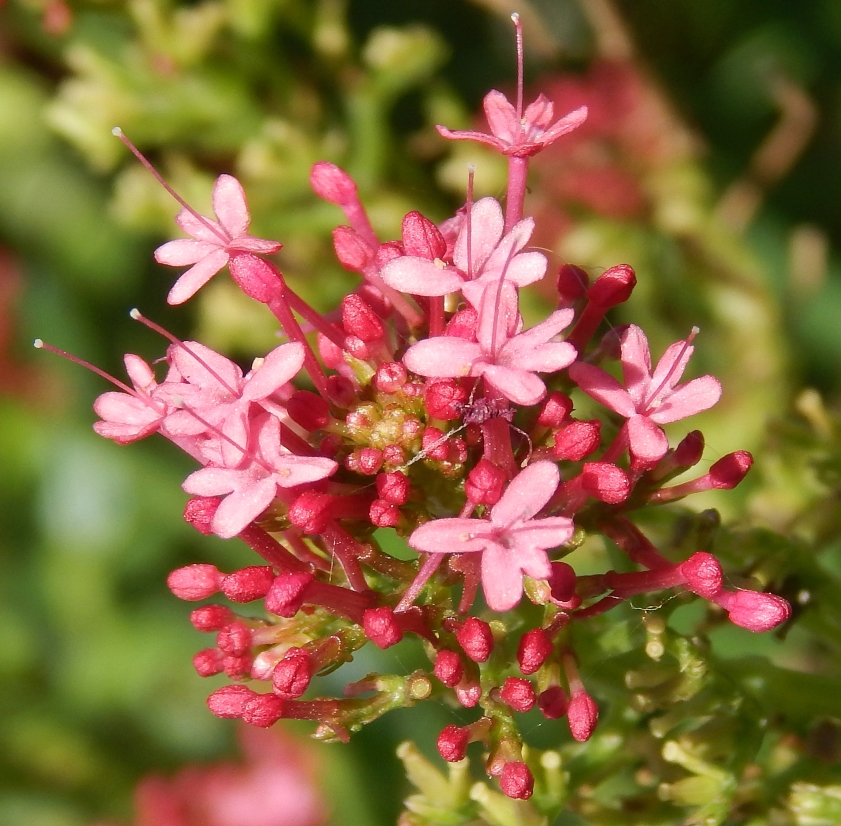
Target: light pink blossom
252,487
213,397
509,360
512,542
649,399
513,135
213,243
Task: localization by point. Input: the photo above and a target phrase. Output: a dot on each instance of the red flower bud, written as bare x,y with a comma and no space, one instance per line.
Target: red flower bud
754,610
292,675
614,286
234,639
690,449
360,320
310,511
577,439
728,471
390,377
452,743
262,710
208,662
476,639
518,693
286,595
572,283
332,184
606,482
703,574
444,399
554,409
582,714
422,238
255,277
553,702
484,483
516,781
228,702
448,667
211,617
383,514
381,626
534,649
248,584
194,582
393,487
353,252
199,512
463,324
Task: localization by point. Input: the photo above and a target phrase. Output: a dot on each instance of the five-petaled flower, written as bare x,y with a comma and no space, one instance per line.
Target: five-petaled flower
213,243
651,399
512,542
515,135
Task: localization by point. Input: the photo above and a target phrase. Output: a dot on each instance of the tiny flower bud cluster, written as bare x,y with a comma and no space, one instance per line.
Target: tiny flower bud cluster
439,416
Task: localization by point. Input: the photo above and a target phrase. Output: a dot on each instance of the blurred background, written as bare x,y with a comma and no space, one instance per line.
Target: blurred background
710,162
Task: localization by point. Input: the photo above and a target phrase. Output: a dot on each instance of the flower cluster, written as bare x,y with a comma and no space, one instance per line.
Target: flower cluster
436,414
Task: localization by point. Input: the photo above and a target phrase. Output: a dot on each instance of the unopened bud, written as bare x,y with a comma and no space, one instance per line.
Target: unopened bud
554,410
422,238
445,399
484,483
614,286
381,626
452,743
576,440
582,715
703,574
228,702
332,183
262,710
534,649
518,693
360,320
248,584
448,667
728,471
211,617
194,582
476,639
516,781
572,283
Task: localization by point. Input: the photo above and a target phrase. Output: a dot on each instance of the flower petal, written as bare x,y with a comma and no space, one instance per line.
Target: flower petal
183,251
528,492
646,440
447,536
502,579
280,366
486,225
691,398
230,206
602,387
502,117
420,276
442,357
197,276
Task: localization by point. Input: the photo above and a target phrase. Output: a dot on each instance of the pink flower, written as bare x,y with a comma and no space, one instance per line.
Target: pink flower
213,243
651,399
511,541
127,417
214,399
508,360
251,488
513,135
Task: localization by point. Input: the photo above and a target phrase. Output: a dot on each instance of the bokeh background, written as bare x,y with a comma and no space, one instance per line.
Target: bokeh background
711,163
